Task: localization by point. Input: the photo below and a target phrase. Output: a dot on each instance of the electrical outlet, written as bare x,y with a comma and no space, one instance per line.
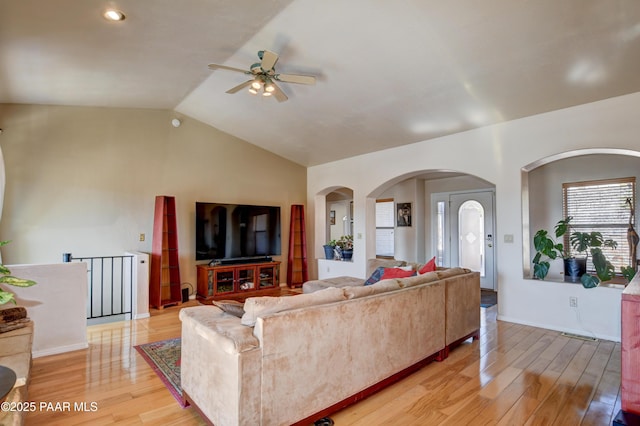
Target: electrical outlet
141,237
573,302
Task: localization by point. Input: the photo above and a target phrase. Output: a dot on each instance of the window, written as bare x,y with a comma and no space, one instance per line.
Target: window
384,228
440,233
601,206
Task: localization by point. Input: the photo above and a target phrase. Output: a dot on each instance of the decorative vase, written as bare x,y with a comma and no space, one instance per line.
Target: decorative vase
328,252
347,254
574,268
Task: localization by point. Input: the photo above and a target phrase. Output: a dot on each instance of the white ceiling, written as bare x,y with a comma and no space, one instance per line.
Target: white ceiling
389,73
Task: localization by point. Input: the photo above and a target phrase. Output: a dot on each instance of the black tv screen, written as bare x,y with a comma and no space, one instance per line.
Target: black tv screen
234,231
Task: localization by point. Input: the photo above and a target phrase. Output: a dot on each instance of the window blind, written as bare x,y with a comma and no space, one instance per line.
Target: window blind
601,206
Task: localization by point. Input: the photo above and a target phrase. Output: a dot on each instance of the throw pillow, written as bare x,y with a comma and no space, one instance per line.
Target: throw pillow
232,307
375,276
396,273
430,266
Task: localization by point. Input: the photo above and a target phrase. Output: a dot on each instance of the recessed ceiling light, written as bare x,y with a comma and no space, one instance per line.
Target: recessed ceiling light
113,15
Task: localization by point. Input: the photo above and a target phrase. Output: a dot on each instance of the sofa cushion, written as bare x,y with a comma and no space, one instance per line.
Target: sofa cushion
375,276
232,307
255,307
379,287
344,281
418,279
430,266
397,273
373,264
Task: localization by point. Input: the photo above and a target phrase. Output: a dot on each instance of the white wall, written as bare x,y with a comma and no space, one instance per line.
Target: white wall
409,243
56,305
497,154
84,180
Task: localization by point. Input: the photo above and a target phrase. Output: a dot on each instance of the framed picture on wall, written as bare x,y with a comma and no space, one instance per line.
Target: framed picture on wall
332,217
404,214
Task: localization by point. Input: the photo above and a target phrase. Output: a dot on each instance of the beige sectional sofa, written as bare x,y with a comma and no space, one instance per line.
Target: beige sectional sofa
311,354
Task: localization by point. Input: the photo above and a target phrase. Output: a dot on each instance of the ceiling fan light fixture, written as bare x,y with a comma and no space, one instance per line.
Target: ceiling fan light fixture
256,84
113,15
263,77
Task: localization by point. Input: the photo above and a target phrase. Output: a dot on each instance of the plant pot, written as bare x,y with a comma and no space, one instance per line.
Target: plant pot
347,254
328,251
574,268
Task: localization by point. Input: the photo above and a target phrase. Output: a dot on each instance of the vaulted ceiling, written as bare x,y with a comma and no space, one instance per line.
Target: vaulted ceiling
388,73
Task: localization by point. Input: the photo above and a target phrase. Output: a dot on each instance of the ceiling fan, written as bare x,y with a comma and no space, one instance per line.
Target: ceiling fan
264,77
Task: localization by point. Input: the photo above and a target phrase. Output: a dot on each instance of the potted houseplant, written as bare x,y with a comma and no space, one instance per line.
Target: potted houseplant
329,249
346,246
548,248
592,243
6,278
628,273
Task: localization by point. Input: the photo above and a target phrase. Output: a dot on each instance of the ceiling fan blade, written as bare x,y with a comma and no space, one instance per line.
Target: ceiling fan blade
279,94
240,86
269,60
224,67
292,78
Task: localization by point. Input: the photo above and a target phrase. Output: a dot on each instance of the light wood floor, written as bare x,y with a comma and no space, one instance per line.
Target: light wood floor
514,375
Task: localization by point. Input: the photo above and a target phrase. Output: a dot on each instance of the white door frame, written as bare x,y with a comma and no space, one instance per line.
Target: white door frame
446,255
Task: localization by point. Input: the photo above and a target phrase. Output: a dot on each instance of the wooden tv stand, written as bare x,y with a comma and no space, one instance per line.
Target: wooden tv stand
223,281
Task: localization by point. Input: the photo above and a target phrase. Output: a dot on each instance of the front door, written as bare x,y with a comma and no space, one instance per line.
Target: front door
472,234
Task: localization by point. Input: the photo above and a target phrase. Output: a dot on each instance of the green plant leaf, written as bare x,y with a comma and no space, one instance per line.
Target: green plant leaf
18,282
562,226
541,270
536,258
540,239
6,297
628,272
580,241
4,270
604,269
589,281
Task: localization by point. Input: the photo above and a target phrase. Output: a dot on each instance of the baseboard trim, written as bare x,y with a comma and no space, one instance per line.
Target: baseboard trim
561,330
60,350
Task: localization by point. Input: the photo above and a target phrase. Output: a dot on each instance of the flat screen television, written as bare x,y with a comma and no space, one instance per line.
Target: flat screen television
236,231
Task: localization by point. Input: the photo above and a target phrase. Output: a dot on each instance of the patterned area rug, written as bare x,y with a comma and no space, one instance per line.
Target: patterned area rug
164,359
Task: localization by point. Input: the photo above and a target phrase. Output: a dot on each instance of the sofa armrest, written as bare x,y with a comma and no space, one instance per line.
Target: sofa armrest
462,306
220,366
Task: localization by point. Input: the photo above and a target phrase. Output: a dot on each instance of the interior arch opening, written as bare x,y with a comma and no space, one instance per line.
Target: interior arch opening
542,193
432,230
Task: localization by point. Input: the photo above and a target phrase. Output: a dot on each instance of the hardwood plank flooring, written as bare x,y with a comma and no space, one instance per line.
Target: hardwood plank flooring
513,375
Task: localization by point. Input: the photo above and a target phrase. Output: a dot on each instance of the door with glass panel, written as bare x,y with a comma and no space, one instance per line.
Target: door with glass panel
472,235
